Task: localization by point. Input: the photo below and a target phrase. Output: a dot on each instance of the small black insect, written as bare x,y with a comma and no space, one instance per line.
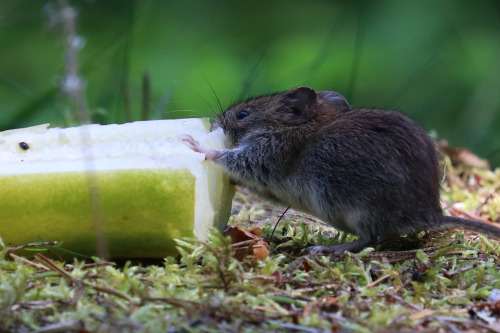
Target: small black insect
24,146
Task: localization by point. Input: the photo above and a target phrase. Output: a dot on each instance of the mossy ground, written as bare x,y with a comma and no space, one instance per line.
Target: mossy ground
445,282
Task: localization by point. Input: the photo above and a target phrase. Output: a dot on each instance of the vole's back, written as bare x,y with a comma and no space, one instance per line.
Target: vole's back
371,172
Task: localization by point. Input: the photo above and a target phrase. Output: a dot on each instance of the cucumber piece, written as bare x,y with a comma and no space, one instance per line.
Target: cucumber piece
139,181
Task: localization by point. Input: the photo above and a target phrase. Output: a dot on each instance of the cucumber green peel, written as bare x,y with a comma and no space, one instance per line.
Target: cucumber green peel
151,187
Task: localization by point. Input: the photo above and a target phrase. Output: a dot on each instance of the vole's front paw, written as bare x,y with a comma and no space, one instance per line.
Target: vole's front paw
210,154
193,144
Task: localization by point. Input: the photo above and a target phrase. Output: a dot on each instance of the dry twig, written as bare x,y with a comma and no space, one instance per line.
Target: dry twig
53,266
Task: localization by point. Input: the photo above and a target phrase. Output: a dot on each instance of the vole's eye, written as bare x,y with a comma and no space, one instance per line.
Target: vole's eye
242,114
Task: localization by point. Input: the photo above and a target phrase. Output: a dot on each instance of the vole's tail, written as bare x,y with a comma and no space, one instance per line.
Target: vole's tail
450,222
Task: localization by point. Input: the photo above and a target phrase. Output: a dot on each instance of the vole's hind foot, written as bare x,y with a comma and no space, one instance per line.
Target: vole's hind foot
322,250
354,247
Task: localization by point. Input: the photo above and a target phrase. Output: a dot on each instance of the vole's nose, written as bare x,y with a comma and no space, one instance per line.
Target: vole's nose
216,124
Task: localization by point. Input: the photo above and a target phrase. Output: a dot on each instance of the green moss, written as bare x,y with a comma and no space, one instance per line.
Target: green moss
439,285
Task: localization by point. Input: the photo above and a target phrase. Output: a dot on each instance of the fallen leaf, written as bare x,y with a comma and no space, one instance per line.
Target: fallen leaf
257,232
247,243
463,156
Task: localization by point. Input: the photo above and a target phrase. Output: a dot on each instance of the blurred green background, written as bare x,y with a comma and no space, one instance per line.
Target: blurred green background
436,61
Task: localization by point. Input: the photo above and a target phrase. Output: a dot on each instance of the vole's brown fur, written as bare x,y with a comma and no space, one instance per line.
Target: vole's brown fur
373,173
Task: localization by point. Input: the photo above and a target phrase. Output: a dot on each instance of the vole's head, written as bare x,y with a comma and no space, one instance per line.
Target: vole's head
293,107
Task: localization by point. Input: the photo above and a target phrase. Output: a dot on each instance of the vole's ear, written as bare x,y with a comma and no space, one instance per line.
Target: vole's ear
301,97
298,105
334,99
